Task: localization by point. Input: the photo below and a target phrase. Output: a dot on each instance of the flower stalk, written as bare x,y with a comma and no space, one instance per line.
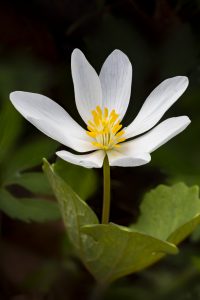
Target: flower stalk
106,191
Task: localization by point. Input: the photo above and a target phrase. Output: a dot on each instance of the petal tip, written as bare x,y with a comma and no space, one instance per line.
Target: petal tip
14,96
184,80
18,93
120,53
186,120
76,53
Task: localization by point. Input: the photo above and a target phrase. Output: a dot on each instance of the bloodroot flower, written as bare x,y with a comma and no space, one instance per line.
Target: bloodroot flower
102,102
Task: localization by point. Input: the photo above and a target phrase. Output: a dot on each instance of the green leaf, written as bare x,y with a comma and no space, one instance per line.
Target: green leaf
30,155
28,209
35,182
169,213
111,251
75,212
108,251
83,181
195,237
121,251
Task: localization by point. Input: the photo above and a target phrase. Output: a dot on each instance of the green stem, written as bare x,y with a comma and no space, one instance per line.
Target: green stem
106,191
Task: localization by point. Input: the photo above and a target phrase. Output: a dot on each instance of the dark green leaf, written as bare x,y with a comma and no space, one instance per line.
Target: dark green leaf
30,155
35,182
28,209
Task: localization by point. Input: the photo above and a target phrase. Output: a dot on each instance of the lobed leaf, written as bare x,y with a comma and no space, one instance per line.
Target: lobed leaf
169,213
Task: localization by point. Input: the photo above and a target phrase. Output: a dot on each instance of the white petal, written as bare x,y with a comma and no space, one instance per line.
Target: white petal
116,77
157,103
51,119
157,136
87,85
123,159
91,160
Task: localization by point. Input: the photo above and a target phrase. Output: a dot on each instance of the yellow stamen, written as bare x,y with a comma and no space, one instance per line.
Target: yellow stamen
117,127
105,129
96,118
90,128
97,144
120,133
121,140
105,112
90,123
92,134
99,110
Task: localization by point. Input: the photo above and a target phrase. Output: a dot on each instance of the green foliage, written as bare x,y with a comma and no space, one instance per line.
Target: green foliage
195,237
75,212
122,251
16,173
169,213
110,251
35,182
29,155
81,180
18,155
28,209
17,169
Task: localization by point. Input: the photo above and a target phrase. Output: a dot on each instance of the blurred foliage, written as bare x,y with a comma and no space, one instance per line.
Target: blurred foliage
27,209
13,164
161,39
81,180
21,168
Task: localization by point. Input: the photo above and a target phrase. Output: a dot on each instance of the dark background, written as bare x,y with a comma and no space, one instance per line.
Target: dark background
162,40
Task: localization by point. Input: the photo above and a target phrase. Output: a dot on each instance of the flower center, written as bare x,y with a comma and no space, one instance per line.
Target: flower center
105,129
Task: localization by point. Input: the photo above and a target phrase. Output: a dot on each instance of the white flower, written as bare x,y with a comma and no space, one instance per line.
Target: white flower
102,102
